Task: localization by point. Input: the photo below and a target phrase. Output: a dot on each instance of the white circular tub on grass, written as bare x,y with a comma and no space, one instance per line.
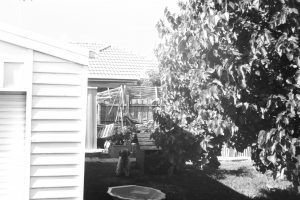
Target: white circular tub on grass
135,192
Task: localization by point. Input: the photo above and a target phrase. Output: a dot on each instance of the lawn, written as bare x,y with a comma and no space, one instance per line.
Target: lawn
234,180
242,177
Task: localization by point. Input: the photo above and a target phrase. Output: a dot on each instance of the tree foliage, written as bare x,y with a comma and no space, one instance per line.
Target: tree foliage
152,79
231,70
179,145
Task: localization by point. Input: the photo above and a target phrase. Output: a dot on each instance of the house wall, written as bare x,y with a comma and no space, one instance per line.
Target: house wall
12,131
15,108
57,129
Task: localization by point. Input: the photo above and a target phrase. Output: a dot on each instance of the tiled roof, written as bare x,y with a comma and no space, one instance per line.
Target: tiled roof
114,63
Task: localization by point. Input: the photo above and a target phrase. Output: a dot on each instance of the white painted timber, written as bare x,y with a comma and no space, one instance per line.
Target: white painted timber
55,102
41,57
57,140
83,127
11,52
55,137
91,128
12,109
58,79
41,44
63,68
71,198
55,90
43,122
52,170
54,147
55,159
54,112
54,181
12,132
53,193
8,128
56,125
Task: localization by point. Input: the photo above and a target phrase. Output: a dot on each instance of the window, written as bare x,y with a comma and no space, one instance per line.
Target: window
12,75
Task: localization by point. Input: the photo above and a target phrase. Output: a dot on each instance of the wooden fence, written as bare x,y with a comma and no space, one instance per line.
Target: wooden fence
136,101
139,109
229,152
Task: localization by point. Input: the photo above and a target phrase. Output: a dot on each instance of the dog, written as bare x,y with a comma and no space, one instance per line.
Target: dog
123,166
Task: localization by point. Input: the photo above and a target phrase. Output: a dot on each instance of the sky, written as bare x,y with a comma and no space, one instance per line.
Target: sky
128,24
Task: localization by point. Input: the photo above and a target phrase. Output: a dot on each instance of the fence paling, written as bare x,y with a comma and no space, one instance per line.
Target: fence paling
139,105
229,152
140,112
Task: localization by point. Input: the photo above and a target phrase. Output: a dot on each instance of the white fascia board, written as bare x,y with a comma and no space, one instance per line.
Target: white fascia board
111,80
45,45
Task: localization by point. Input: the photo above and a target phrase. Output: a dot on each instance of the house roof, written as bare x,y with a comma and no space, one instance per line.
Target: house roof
39,43
111,63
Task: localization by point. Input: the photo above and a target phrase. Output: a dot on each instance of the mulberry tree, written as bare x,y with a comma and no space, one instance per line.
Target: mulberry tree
230,72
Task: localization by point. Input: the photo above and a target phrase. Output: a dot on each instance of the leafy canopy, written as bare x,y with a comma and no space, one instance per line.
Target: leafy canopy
231,71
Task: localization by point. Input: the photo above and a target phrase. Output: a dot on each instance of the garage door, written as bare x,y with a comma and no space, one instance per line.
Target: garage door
12,132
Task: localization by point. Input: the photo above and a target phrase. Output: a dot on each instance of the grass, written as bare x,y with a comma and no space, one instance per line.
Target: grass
243,178
234,180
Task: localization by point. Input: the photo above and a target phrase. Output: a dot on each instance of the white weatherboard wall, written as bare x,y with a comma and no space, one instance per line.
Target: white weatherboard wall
15,84
12,130
43,93
57,114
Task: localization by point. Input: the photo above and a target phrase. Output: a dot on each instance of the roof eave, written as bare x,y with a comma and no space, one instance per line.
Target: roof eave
39,43
111,80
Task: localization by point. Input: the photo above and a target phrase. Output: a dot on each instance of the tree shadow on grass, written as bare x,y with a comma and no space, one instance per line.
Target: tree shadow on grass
189,185
278,194
222,173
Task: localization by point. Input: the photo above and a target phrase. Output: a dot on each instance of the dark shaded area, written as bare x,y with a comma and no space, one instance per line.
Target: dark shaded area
191,184
277,194
155,164
100,143
222,173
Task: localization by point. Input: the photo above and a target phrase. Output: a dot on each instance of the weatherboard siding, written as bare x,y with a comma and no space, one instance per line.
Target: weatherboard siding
12,131
56,170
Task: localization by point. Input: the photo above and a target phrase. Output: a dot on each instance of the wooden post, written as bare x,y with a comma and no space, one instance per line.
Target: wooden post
139,111
127,104
126,101
121,107
98,113
91,123
156,93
